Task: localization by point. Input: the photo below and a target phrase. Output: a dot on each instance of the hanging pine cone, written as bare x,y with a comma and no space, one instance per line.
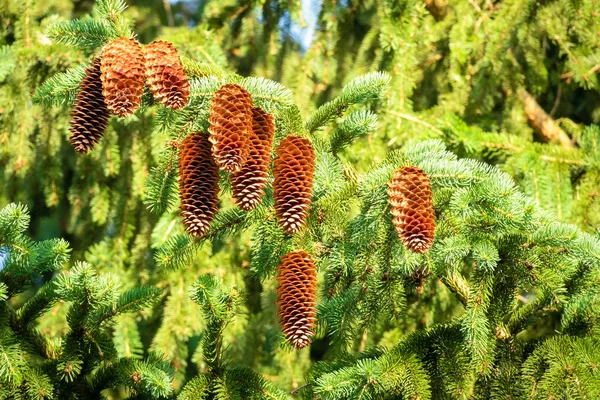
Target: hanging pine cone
294,171
297,297
198,184
89,117
409,193
122,76
165,76
249,182
230,123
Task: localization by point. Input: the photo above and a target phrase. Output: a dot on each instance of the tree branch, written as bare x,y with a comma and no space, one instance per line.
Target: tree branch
541,122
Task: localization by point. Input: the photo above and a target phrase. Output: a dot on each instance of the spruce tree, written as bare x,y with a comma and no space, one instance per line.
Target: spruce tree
425,228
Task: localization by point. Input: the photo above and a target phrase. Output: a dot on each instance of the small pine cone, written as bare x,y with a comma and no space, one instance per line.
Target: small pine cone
409,193
294,171
198,184
165,76
89,117
297,297
122,76
250,181
230,125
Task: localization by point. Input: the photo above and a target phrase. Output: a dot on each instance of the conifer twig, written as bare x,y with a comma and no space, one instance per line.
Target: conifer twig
416,121
457,285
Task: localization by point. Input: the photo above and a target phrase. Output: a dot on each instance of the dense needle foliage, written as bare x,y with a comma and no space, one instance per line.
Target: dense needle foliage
103,293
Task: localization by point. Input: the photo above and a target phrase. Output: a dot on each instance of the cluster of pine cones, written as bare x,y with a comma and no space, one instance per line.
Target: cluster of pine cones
240,143
115,81
410,197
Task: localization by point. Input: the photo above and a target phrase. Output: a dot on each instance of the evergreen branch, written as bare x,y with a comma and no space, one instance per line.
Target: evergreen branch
42,301
397,372
132,300
475,326
107,8
3,292
457,285
161,185
266,91
61,89
146,377
14,220
86,33
196,389
248,383
49,255
205,86
416,120
112,12
200,69
12,361
359,90
36,341
357,124
219,305
7,62
177,250
526,314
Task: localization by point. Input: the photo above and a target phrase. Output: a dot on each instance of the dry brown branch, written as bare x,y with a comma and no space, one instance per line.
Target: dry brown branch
541,122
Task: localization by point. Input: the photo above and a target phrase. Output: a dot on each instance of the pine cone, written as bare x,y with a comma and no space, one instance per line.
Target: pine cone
297,297
294,171
89,117
409,193
230,123
250,181
122,76
198,184
165,76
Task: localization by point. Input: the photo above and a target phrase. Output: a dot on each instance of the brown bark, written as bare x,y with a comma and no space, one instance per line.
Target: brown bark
437,8
541,122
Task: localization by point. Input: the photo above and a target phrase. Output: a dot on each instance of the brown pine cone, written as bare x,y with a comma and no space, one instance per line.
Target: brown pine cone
122,76
89,117
297,297
249,182
230,123
165,76
409,194
294,171
198,184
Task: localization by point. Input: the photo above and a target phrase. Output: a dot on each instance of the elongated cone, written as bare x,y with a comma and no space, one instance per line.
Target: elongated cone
292,188
165,76
409,194
89,117
122,76
230,125
198,184
249,182
297,297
